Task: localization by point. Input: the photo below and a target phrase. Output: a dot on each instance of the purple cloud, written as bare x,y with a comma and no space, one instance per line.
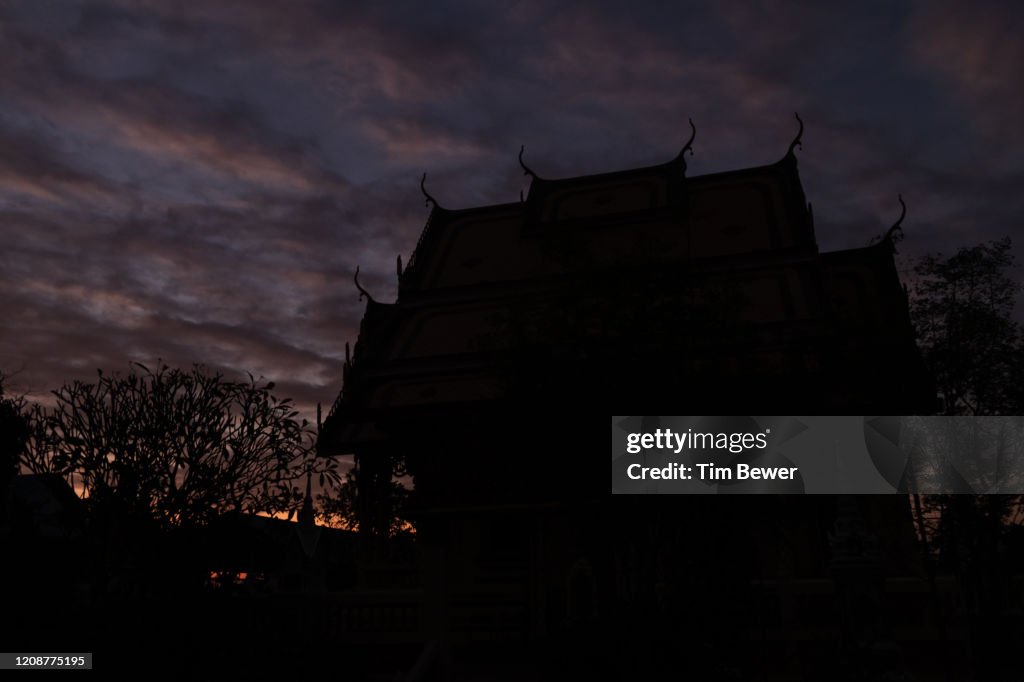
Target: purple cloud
199,184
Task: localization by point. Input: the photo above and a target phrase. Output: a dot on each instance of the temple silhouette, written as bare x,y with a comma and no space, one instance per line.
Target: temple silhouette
519,327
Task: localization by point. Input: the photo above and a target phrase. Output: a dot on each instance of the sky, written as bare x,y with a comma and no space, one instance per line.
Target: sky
197,182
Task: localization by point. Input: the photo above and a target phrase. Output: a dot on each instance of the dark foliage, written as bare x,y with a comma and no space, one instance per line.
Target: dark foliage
962,308
174,447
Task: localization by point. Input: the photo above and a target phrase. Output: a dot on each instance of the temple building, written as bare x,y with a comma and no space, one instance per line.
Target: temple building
518,328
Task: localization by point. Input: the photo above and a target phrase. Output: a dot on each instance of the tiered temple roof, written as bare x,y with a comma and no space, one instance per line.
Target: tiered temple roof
715,282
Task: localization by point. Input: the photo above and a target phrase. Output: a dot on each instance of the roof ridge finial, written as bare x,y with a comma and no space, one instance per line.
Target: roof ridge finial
423,188
894,233
799,134
526,169
362,291
689,143
890,236
681,156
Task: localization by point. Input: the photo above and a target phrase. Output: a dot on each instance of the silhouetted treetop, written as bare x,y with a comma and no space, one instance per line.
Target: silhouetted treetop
174,446
962,308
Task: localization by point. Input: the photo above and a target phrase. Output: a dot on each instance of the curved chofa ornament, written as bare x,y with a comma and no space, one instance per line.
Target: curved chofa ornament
799,134
681,156
526,169
362,291
429,199
895,232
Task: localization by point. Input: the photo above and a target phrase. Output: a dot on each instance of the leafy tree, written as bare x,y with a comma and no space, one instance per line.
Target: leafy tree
342,505
962,308
175,447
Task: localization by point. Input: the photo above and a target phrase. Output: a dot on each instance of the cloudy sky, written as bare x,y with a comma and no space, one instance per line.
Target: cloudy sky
198,184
